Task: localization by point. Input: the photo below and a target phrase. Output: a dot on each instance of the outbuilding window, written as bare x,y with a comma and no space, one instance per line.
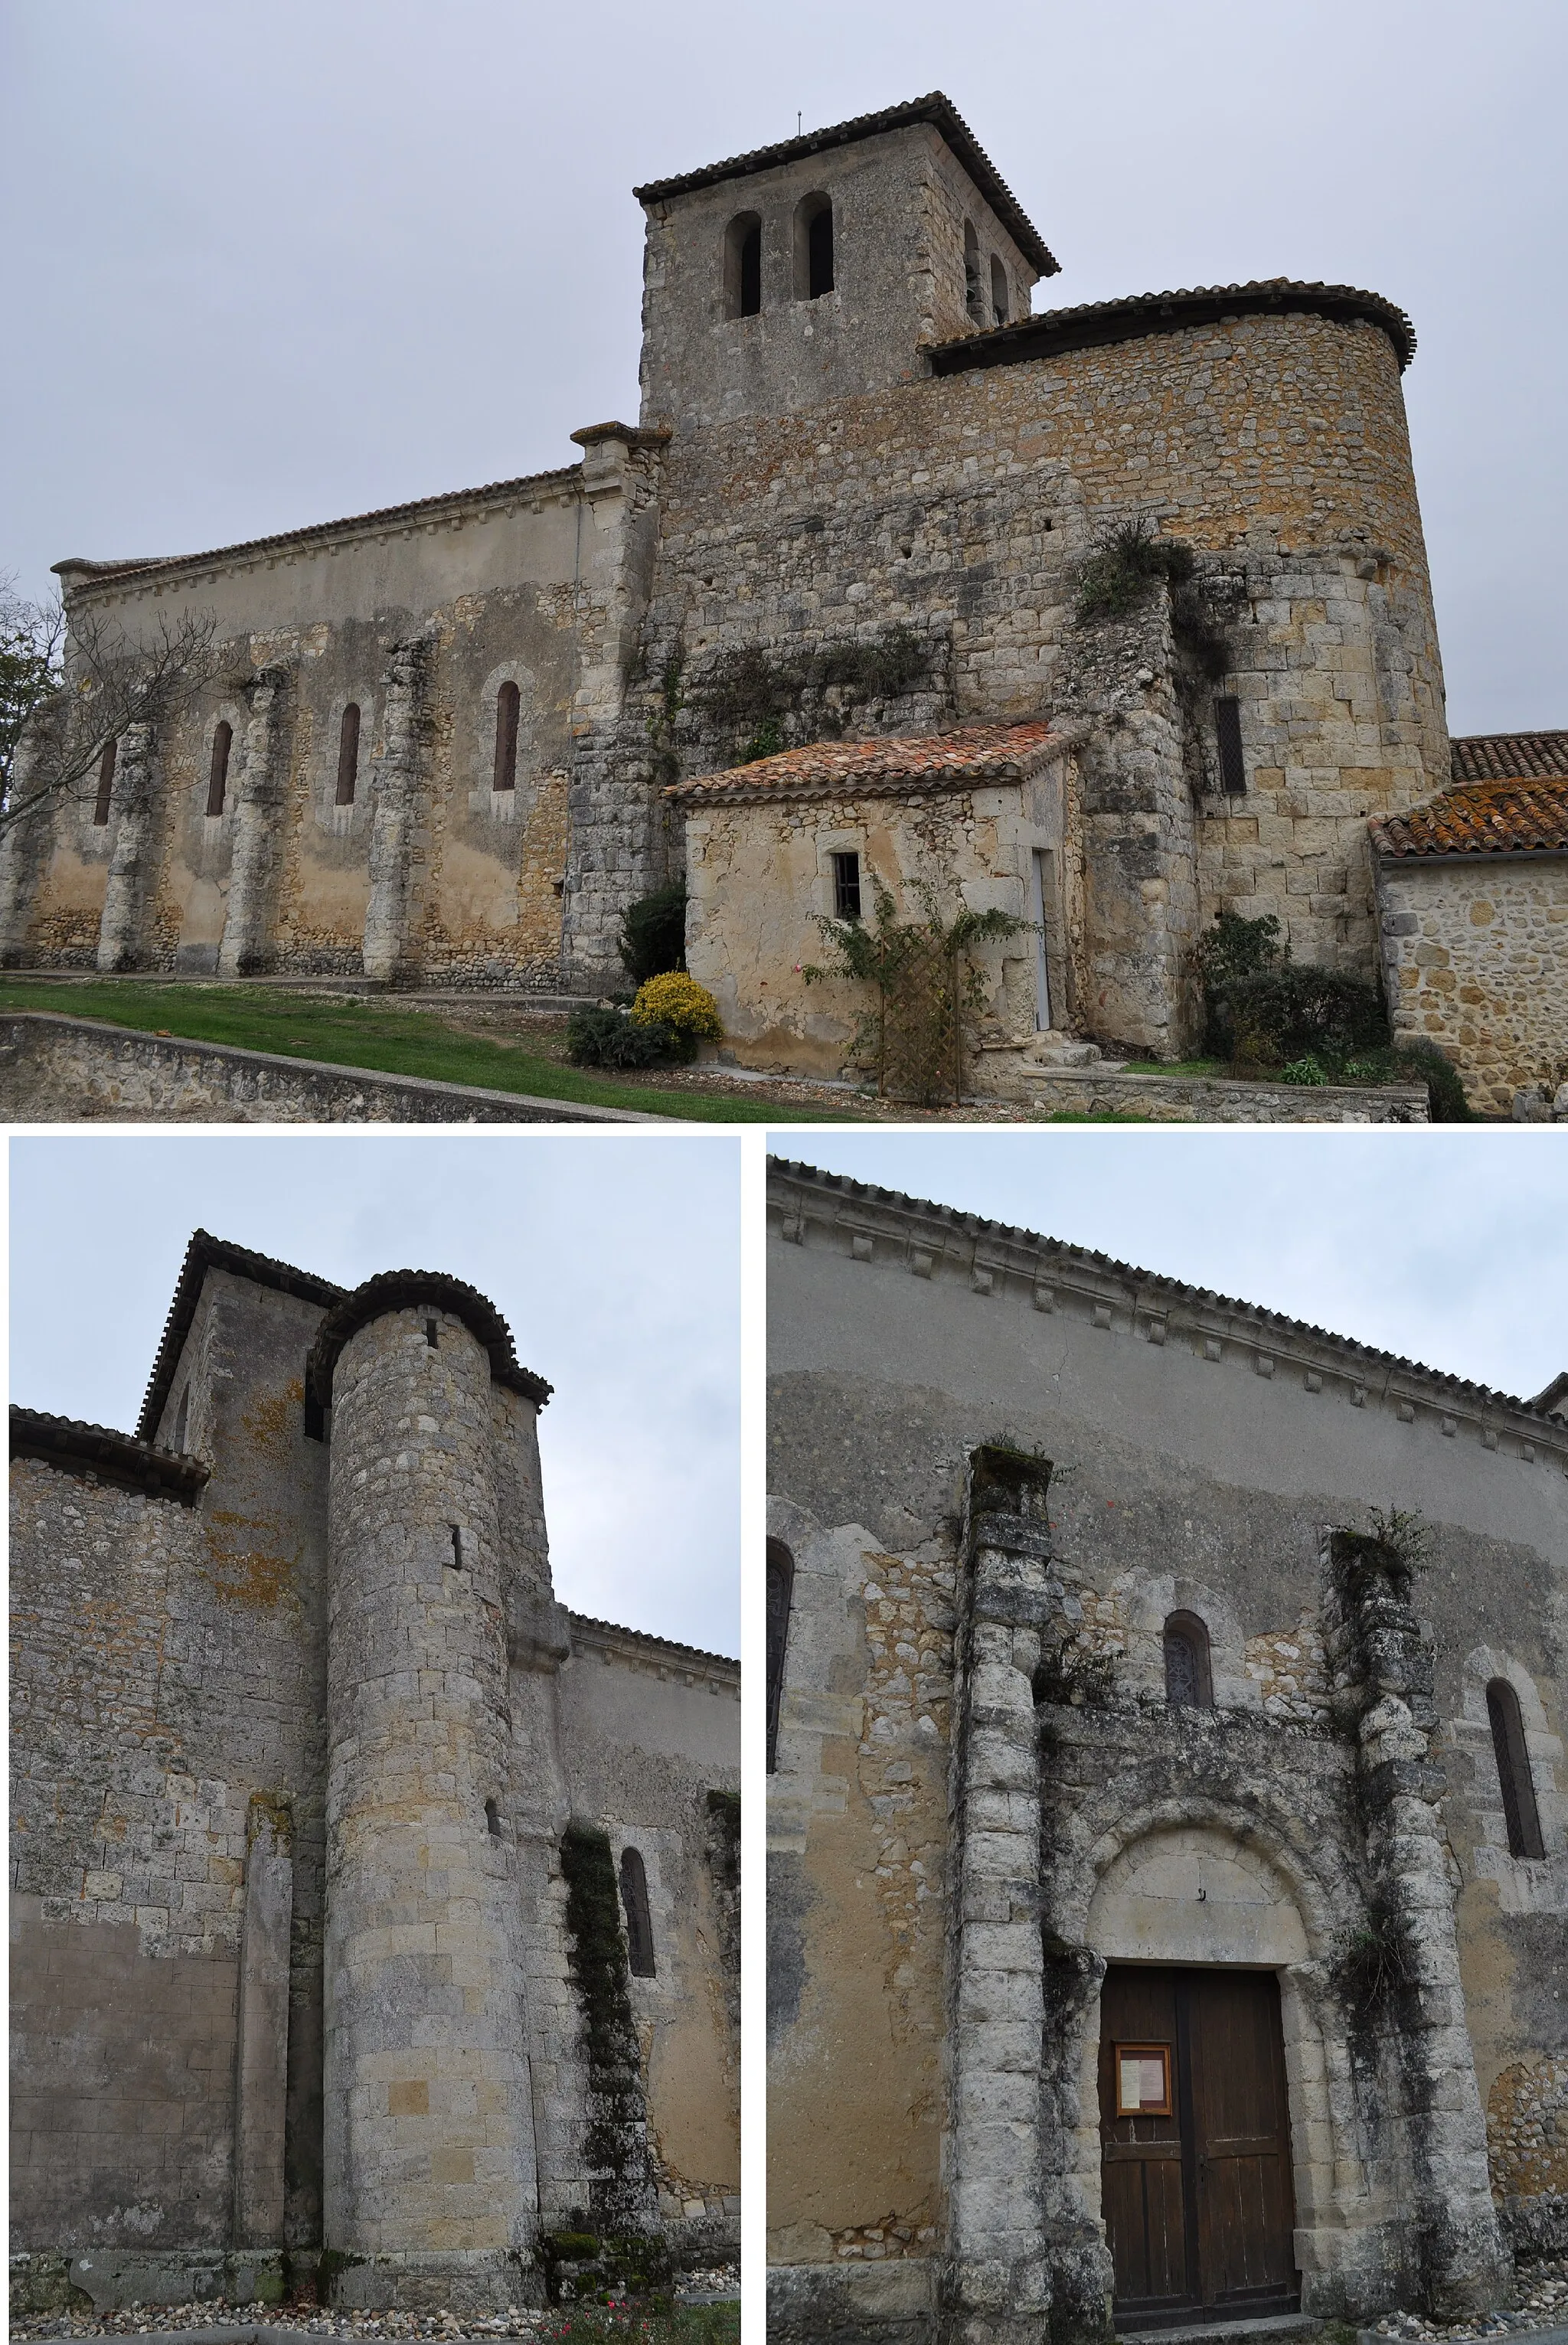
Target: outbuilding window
1520,1811
348,754
218,778
106,781
508,703
847,886
780,1589
1189,1680
639,1920
813,247
743,266
972,293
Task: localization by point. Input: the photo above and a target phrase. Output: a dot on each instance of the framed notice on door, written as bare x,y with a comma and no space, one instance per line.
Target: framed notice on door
1143,2080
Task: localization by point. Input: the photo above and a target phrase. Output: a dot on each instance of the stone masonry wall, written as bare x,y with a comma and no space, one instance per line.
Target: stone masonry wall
1475,956
959,509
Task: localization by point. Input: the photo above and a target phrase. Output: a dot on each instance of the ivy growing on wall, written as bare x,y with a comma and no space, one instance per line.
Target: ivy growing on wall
616,2147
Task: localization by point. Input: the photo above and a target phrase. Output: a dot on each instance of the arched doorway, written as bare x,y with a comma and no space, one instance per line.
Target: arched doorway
1198,2170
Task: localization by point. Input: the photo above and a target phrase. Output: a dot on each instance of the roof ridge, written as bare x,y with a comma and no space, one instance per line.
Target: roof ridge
206,1253
963,755
1183,1287
117,571
935,108
646,1637
1071,328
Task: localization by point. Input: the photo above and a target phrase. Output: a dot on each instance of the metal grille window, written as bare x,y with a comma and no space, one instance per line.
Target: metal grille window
1232,765
847,886
780,1589
1519,1809
1189,1683
639,1920
218,779
348,754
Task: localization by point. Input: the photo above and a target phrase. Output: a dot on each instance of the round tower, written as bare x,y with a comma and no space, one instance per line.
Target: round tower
430,2180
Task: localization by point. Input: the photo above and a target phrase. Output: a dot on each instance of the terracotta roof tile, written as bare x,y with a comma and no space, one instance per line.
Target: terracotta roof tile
1046,331
925,764
1510,817
120,1458
1510,756
935,108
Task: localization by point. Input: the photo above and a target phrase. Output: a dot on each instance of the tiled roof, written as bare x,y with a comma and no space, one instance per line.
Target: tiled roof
1510,756
405,1289
976,1226
1042,335
924,764
935,108
203,1253
655,1644
1486,818
117,1457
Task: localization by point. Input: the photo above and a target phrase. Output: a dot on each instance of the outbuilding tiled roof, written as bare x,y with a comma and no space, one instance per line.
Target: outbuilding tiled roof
922,764
1047,332
1513,817
1510,756
936,108
119,1459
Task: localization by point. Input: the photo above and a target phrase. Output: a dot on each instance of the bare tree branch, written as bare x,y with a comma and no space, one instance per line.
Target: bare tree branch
67,717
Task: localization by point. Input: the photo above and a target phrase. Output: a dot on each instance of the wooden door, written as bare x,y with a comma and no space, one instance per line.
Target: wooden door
1195,2143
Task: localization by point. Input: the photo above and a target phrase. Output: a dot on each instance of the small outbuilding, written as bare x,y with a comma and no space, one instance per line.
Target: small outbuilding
1472,906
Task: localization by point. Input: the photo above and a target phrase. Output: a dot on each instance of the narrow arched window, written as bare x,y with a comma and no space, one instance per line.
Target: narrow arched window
1189,1681
998,291
106,781
639,1922
348,754
780,1589
813,247
508,703
971,297
218,779
492,1819
743,266
1520,1811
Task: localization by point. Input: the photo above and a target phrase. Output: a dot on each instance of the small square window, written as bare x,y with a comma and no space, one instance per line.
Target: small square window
847,887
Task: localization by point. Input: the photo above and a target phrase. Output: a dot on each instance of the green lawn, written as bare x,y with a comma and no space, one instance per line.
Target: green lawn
392,1040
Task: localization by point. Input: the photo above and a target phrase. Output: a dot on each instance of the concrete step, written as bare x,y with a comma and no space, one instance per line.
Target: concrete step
1244,2328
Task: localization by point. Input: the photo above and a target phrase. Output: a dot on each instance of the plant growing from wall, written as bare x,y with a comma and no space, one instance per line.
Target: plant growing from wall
1073,1673
615,2149
664,755
1132,559
1373,1965
755,701
926,986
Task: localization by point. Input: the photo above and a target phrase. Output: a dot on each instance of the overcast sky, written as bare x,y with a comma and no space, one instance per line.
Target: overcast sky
616,1267
265,267
1450,1248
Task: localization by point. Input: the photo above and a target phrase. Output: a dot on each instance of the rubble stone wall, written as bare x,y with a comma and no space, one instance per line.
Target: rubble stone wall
1475,956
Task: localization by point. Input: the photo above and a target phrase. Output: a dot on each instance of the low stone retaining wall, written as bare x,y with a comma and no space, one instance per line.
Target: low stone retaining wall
1213,1099
56,1069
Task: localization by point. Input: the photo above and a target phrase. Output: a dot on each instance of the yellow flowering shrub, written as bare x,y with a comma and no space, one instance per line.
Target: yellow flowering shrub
678,1001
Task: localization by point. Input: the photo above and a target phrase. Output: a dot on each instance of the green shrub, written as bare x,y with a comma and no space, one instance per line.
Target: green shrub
652,933
678,1004
1305,1071
1424,1062
609,1037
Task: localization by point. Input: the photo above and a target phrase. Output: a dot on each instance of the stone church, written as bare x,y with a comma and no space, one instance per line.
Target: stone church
375,1919
1168,1846
450,741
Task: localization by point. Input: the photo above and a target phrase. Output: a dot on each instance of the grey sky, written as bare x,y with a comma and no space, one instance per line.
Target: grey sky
616,1265
269,267
1452,1249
